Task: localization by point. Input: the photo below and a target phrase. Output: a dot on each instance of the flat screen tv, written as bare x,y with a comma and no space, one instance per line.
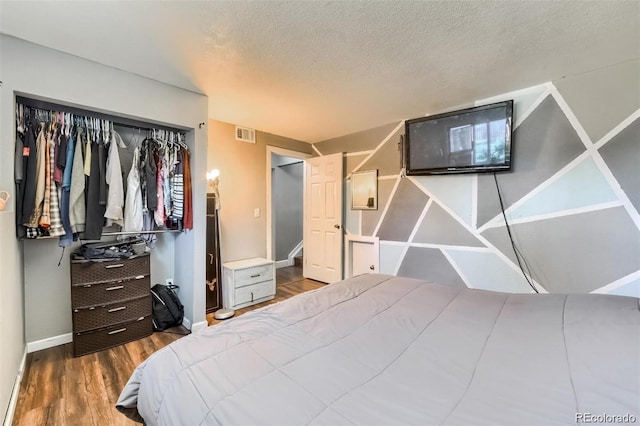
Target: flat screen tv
467,141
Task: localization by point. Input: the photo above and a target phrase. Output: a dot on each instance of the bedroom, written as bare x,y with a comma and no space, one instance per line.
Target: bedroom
567,207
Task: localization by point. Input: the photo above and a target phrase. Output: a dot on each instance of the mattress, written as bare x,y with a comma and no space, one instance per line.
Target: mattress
377,349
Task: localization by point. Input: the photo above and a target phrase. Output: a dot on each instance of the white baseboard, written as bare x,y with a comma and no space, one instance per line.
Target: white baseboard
50,342
297,250
186,322
13,401
199,326
283,263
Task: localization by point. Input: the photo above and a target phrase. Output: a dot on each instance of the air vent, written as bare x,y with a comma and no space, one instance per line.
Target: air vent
245,134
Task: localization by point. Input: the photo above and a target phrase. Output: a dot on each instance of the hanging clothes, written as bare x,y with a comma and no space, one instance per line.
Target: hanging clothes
55,229
77,208
45,219
177,189
133,220
35,181
115,196
65,196
95,210
159,214
188,211
60,145
150,176
30,162
69,179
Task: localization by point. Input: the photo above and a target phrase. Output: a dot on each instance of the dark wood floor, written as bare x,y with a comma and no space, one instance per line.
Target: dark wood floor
58,389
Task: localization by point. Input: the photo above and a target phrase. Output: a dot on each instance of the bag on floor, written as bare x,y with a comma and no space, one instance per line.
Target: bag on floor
167,309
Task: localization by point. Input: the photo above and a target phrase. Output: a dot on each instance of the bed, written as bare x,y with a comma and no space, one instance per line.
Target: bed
378,349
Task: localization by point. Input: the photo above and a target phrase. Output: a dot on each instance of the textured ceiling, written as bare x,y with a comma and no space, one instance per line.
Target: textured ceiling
315,70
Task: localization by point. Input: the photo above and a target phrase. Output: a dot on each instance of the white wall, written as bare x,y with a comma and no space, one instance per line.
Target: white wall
35,71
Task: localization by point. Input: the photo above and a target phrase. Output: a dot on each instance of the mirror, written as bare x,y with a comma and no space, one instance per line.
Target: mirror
364,190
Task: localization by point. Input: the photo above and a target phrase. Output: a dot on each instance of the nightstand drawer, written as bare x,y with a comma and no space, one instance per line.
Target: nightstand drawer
253,275
87,295
256,292
95,317
93,341
85,272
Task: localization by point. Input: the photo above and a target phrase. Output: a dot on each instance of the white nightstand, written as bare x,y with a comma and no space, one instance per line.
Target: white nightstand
247,282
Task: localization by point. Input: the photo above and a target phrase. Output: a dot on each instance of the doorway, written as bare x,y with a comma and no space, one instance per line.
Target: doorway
285,204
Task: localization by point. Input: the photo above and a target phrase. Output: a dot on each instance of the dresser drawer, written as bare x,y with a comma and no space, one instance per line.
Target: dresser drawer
84,272
95,317
253,275
93,341
87,295
254,293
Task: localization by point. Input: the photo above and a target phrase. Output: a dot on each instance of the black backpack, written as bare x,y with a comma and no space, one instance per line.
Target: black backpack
167,309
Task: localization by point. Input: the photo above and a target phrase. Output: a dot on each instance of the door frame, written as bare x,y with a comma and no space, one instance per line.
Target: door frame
286,153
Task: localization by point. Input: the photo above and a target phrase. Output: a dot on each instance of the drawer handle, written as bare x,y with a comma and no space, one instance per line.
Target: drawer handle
120,330
87,286
255,276
139,277
119,265
117,309
118,287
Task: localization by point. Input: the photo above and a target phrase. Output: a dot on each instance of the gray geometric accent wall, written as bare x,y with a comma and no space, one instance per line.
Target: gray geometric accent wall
622,156
543,144
405,208
572,205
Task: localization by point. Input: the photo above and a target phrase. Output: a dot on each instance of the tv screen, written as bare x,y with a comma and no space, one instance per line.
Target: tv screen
466,141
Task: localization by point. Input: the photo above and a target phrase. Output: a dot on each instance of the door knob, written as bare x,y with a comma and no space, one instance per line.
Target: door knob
336,226
372,267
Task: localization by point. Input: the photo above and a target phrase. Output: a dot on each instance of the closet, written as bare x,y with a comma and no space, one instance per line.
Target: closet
109,301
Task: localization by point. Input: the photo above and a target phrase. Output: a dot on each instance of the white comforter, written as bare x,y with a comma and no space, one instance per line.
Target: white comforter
377,349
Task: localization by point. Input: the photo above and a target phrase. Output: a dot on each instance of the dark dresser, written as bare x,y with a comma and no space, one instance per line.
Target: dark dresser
110,302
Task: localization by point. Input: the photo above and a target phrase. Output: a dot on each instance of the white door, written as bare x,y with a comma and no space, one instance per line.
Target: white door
323,218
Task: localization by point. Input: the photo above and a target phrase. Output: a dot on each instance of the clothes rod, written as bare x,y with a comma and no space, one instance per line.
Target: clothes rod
112,234
117,121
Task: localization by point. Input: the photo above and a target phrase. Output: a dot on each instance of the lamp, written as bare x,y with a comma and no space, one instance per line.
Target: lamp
213,178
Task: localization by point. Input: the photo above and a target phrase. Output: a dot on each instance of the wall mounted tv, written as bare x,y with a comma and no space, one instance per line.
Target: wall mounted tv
467,141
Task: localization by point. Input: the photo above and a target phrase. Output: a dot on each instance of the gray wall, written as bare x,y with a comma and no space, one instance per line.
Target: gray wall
75,81
572,199
287,190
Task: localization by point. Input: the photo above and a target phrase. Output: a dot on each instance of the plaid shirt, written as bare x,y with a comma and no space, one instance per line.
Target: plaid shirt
56,229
